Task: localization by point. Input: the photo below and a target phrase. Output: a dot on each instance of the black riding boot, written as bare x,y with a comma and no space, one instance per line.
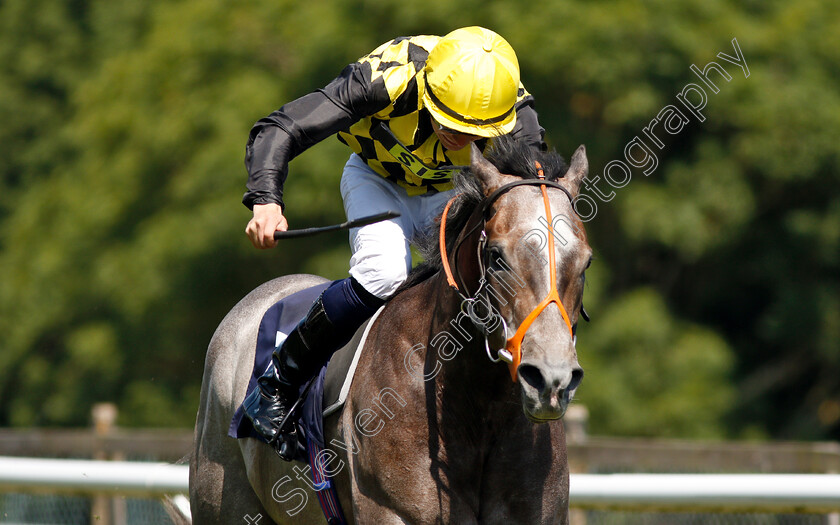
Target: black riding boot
303,352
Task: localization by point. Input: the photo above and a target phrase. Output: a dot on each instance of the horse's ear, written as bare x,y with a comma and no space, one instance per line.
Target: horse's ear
578,171
484,170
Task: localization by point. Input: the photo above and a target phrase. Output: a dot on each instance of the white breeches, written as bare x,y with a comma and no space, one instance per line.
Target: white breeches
381,255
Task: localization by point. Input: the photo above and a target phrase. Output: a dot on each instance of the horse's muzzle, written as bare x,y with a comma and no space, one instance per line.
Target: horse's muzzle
547,391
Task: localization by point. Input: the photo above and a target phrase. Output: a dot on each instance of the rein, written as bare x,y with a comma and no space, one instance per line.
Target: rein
512,352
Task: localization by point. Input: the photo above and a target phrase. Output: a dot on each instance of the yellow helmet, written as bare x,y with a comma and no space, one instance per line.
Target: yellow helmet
471,82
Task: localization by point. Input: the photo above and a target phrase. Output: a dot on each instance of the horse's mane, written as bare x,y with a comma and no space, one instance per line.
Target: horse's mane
511,157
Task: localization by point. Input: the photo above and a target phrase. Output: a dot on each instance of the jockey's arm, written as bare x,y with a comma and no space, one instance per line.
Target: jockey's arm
284,134
527,124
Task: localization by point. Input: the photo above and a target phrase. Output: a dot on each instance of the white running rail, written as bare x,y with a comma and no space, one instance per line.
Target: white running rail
770,493
86,476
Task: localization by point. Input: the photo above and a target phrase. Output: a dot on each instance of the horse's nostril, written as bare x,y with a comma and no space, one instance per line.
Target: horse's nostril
532,375
577,377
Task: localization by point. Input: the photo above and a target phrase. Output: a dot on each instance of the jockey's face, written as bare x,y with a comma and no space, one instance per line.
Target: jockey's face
451,139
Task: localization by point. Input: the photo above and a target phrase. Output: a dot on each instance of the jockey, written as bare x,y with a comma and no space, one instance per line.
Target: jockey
408,110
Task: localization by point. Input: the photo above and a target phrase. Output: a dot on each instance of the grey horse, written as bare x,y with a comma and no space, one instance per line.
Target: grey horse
432,430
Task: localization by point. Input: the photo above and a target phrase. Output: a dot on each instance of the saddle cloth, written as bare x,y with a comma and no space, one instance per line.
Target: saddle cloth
328,392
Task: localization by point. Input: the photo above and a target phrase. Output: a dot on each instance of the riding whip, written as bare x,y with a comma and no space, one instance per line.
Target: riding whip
362,221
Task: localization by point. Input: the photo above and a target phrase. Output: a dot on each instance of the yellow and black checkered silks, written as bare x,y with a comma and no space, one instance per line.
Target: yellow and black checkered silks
381,90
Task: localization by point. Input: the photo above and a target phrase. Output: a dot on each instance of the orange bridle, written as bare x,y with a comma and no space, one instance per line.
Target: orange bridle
514,344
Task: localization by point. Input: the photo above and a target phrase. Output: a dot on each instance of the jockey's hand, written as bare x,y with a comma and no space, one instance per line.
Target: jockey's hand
268,218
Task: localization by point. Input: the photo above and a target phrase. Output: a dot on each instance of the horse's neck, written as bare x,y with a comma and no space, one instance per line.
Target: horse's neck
470,403
469,373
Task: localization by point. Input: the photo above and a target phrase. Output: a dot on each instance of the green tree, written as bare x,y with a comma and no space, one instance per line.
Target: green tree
714,294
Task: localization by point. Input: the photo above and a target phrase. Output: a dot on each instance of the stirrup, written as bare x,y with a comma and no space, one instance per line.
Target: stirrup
286,443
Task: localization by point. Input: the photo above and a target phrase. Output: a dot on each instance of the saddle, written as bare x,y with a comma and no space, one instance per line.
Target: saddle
330,386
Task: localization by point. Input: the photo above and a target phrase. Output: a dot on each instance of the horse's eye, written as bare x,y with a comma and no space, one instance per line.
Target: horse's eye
495,259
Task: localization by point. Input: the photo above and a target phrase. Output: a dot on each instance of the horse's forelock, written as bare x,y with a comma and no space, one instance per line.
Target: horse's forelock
517,158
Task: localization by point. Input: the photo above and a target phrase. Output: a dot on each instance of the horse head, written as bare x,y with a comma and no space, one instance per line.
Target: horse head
535,255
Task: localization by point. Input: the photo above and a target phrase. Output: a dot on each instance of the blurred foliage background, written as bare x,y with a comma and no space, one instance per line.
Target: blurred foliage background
715,294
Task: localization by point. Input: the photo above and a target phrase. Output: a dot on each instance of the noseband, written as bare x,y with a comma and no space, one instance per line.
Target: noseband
512,353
